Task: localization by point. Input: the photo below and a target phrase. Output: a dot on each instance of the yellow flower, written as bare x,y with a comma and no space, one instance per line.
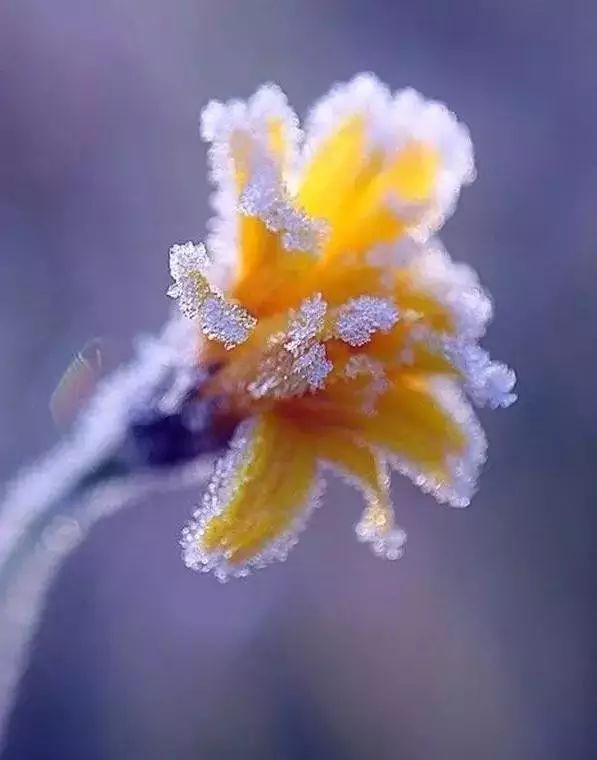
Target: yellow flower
344,336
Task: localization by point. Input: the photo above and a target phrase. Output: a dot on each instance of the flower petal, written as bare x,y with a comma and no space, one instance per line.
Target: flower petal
245,136
260,236
257,501
278,240
354,458
366,469
453,287
433,157
376,166
432,435
423,425
338,160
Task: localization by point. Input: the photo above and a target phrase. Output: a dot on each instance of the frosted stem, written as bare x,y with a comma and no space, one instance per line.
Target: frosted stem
139,433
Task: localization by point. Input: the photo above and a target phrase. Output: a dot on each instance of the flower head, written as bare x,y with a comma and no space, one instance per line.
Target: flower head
344,335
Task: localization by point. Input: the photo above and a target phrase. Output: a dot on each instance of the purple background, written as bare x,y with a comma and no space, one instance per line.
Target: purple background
476,644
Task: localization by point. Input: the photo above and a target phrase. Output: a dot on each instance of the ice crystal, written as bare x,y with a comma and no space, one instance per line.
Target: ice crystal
486,382
389,544
361,317
227,323
267,199
456,286
307,324
220,320
189,264
313,366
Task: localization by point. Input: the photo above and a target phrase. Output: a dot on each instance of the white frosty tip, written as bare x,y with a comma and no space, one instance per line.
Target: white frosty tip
228,323
267,198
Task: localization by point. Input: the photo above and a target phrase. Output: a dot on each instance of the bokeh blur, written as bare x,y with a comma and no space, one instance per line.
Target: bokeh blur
478,643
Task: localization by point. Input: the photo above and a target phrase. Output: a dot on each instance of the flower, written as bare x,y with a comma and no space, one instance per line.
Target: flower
344,336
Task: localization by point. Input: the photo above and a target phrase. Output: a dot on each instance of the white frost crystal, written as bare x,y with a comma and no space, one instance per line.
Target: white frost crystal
307,324
313,366
361,317
297,361
266,198
220,320
189,264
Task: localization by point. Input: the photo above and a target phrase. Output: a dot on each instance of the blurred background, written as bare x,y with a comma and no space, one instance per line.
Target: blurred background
475,645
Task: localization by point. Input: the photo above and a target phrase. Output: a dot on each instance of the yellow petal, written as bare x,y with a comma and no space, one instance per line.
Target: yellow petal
367,470
412,173
278,141
406,178
351,456
337,186
410,297
259,248
410,423
394,349
432,434
350,184
247,138
271,279
380,165
263,487
407,421
336,171
265,266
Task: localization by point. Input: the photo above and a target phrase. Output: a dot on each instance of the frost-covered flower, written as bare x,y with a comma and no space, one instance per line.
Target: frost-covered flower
343,335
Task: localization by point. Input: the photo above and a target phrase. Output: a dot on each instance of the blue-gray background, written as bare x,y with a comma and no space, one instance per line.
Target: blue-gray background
477,644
